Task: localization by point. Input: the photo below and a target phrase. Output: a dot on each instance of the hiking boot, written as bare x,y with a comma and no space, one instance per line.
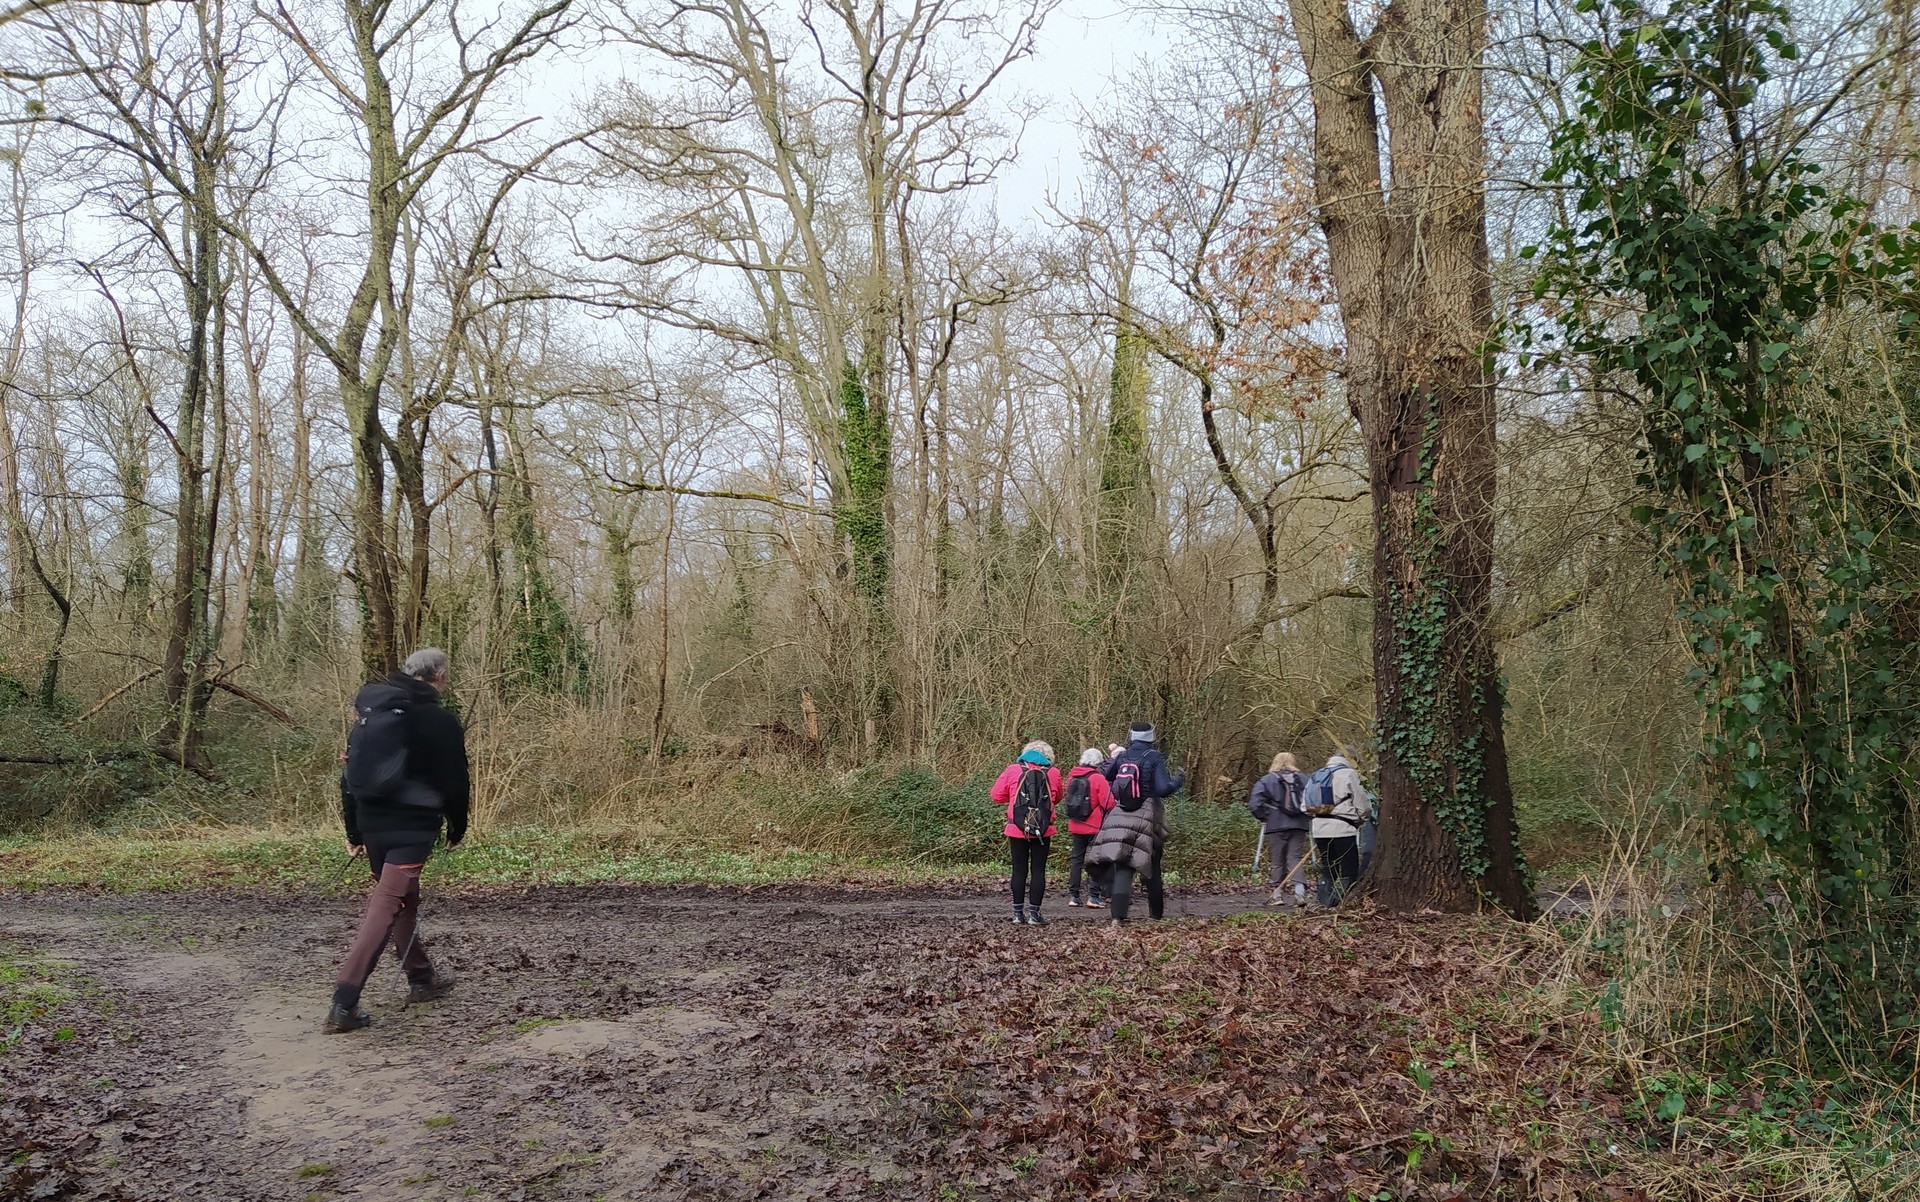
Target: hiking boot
341,1019
1097,901
1019,915
428,987
1073,901
1033,917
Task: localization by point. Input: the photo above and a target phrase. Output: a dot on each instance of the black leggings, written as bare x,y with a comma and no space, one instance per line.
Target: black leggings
1120,889
1076,867
1029,869
1339,867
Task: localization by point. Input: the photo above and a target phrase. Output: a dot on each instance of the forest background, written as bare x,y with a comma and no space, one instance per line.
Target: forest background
726,428
771,472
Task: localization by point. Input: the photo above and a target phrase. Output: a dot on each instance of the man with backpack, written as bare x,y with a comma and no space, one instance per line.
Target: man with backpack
1133,836
1029,788
406,773
1339,805
1088,798
1278,801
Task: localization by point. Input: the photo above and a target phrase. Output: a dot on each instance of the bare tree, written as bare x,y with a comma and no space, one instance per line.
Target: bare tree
802,184
410,124
157,101
1405,223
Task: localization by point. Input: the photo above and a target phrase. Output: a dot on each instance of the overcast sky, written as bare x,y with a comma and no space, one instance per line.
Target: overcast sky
1084,46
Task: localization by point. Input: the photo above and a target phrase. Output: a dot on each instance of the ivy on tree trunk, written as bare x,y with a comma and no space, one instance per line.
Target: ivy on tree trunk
1406,238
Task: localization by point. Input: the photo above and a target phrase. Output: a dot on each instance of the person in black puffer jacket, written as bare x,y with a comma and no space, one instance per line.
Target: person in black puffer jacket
1134,834
396,823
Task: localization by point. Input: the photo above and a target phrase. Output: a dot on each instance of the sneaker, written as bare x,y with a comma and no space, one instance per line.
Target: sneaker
340,1020
1097,901
425,989
1019,916
1073,901
1034,918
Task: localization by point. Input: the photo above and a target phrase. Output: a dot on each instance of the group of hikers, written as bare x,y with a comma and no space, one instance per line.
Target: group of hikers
1114,802
1115,805
405,776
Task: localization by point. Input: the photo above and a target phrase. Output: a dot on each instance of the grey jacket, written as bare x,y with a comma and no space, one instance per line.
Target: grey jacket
1128,838
1265,802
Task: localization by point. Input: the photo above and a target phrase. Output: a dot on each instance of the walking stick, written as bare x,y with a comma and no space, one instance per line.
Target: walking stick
1288,879
1311,855
1259,847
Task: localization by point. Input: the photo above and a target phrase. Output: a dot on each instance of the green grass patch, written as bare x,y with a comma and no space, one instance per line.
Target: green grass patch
878,826
183,859
31,994
317,1169
440,1120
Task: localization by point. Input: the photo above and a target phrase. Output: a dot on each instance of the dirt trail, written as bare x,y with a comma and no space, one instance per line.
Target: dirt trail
606,1042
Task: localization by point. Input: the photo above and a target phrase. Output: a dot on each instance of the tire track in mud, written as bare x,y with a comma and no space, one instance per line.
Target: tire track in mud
602,1042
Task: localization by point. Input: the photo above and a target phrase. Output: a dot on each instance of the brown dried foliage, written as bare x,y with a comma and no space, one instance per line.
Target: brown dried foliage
1317,1058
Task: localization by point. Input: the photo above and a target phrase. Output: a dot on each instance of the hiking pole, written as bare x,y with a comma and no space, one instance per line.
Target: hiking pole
1291,873
1258,847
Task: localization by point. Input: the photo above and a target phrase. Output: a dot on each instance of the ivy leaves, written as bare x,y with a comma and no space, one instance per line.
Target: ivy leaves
1697,269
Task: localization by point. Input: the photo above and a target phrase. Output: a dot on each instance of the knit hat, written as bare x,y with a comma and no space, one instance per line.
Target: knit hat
1037,752
1091,757
1141,732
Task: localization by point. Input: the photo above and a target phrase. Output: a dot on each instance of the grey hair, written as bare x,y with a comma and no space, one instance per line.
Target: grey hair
426,663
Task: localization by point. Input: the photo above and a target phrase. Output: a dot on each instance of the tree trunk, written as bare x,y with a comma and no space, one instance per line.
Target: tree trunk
196,507
1124,488
312,605
1409,257
13,511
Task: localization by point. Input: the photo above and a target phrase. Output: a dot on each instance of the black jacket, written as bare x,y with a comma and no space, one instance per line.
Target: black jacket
436,770
1153,769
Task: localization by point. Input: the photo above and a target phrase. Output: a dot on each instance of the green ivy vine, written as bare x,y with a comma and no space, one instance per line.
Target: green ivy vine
1448,772
1696,275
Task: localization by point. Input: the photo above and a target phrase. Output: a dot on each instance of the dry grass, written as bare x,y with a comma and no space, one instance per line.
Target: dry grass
1720,1039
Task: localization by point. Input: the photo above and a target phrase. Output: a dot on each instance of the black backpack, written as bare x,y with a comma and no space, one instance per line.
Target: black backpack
1033,803
377,744
1079,799
1127,790
1289,791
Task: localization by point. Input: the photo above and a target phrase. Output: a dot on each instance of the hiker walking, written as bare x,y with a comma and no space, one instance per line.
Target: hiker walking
1339,805
406,773
1029,788
1133,835
1278,801
1088,798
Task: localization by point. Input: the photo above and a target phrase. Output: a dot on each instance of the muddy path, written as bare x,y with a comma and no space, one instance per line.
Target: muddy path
607,1042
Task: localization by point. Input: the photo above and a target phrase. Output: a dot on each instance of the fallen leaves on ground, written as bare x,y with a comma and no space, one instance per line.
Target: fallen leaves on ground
1320,1057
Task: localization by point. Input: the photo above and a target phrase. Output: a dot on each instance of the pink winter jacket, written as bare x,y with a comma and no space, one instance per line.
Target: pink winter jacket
1101,794
1009,784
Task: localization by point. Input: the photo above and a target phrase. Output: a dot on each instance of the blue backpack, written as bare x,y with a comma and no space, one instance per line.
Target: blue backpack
1320,788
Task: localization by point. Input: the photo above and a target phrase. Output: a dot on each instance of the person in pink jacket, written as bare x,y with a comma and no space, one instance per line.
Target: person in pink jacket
1030,791
1096,797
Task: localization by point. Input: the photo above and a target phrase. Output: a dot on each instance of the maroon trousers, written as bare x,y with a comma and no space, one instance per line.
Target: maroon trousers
393,912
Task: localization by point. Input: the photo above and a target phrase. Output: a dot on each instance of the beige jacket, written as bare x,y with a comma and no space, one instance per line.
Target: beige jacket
1349,800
